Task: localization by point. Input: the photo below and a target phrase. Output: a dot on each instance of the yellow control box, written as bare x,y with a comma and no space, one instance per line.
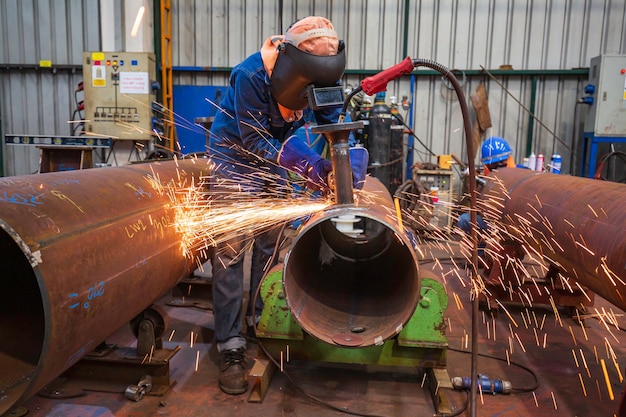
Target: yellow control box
119,94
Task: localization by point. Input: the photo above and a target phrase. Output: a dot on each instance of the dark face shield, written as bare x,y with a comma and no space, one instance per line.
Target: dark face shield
296,69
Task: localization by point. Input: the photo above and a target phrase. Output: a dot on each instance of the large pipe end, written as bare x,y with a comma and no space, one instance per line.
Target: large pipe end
22,321
347,289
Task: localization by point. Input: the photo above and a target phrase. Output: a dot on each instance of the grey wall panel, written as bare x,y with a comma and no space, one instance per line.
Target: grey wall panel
220,33
56,30
526,34
40,100
35,103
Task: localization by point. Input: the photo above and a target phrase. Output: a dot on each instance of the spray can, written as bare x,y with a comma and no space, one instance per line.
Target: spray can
532,161
555,166
539,166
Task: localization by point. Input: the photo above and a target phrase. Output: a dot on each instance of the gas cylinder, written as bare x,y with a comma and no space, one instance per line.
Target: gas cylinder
396,152
379,138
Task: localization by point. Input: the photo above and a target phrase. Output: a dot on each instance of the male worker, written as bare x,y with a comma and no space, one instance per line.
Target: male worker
252,133
495,153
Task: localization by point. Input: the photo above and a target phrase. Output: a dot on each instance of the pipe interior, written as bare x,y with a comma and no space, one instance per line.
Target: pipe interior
366,286
22,323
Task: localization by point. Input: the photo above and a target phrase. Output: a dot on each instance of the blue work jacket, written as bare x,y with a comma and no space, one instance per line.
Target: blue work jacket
248,130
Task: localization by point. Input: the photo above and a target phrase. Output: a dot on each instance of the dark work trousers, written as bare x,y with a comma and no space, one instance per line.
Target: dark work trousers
228,284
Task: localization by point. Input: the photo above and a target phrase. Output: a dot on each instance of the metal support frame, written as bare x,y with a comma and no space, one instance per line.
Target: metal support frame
420,346
116,368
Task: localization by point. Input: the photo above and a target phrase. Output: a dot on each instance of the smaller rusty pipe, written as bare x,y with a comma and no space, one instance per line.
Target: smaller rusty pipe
353,290
337,135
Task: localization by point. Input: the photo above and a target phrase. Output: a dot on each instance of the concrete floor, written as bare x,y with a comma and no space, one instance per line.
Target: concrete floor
368,392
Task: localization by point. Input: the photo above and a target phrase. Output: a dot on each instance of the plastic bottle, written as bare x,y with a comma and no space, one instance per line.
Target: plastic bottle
555,165
532,161
539,163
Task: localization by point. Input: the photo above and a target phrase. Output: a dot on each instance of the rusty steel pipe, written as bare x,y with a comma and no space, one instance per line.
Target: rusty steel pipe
348,289
576,224
83,253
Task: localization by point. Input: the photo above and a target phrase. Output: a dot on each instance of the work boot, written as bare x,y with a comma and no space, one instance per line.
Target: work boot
233,373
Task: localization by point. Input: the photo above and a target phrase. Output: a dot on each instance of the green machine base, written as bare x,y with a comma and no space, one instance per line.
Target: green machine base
421,345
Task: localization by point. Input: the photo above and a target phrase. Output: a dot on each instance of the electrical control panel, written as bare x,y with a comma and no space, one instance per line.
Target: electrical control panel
606,95
120,89
439,183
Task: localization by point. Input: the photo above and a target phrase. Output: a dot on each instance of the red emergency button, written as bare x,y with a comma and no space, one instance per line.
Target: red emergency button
623,71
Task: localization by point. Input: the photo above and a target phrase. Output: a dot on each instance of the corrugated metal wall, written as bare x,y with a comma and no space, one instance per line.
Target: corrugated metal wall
36,100
466,35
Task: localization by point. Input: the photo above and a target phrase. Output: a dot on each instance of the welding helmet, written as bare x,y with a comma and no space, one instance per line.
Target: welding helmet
311,54
495,150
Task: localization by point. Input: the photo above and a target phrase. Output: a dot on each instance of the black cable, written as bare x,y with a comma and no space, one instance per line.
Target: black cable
412,133
604,162
467,125
346,103
386,164
312,397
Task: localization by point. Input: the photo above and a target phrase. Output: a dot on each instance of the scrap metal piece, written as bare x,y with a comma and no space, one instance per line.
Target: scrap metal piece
146,383
135,393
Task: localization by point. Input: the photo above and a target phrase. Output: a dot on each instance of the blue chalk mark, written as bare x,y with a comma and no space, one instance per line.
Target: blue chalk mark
72,295
139,192
27,200
86,305
64,167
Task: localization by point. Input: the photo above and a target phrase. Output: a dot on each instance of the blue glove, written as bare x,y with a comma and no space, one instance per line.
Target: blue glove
359,158
296,156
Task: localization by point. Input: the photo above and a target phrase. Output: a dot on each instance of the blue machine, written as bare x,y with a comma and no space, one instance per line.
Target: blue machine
192,102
